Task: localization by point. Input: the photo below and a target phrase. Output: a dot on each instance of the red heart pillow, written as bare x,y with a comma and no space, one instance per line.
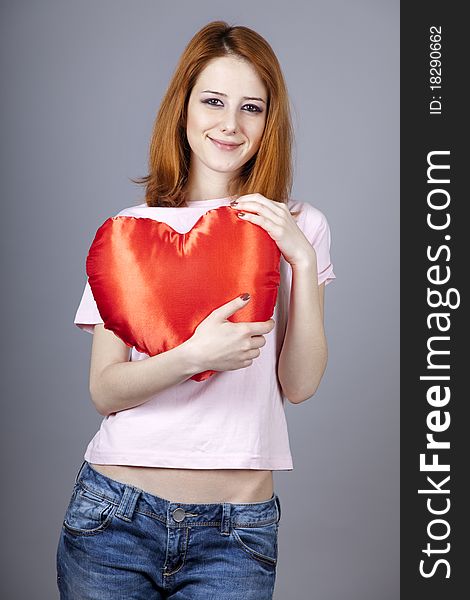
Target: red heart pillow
154,285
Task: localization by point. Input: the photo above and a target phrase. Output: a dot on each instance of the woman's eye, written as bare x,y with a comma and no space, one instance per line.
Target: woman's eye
257,108
210,100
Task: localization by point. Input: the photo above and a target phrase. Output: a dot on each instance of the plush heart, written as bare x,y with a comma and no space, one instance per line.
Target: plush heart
154,285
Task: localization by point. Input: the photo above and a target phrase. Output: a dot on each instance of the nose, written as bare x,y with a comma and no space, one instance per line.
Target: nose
229,123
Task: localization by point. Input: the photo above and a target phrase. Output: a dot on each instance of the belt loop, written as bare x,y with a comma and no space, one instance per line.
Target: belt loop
79,471
127,504
225,525
278,506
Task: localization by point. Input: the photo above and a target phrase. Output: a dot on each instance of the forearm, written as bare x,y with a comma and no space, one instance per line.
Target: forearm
304,353
128,384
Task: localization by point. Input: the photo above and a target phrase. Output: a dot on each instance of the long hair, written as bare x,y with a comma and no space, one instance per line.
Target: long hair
269,171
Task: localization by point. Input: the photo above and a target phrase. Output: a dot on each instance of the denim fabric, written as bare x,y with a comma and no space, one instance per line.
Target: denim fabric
120,542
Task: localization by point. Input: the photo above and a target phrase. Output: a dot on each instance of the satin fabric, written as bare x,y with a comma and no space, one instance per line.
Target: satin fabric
154,285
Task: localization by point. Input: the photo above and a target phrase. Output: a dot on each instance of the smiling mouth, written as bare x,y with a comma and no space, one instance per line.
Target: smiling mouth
223,145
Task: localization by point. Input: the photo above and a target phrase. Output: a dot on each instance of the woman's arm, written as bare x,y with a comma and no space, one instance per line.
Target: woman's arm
217,344
304,352
116,384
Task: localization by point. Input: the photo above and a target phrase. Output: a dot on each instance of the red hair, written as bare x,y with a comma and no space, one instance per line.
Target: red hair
269,171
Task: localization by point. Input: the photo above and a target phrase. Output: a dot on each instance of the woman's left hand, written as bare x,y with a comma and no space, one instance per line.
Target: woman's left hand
275,218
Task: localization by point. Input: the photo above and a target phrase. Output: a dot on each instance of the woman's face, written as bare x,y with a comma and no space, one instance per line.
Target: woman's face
227,103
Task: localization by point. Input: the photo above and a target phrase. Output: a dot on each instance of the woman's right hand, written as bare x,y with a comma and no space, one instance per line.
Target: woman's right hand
221,345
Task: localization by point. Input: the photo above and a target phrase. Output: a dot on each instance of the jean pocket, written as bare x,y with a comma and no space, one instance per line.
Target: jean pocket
259,542
88,513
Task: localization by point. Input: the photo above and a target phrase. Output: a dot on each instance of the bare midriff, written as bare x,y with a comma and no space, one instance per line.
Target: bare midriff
195,485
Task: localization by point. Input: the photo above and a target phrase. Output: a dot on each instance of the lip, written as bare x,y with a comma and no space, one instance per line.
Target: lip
224,145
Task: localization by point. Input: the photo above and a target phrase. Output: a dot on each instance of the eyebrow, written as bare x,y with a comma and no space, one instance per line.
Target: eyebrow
225,95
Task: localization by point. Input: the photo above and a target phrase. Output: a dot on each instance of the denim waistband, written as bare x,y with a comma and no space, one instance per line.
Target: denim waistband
130,498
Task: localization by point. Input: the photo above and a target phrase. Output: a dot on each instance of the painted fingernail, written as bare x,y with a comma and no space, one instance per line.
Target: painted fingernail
245,296
241,214
233,202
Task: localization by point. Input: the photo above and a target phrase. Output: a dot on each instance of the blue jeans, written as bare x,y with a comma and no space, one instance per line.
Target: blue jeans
120,542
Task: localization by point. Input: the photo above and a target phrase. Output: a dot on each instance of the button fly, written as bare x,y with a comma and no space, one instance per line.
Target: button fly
178,514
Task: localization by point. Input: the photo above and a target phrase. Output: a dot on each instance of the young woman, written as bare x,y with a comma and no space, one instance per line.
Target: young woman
175,498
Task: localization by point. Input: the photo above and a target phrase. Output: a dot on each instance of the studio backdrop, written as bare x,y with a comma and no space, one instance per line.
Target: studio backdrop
81,83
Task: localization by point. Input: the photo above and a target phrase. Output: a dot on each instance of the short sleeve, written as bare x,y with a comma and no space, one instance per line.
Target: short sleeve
317,231
87,315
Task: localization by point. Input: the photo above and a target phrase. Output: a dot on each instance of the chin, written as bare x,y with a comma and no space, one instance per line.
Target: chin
224,169
222,165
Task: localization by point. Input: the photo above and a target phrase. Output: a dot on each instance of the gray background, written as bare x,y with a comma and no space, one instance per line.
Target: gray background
81,83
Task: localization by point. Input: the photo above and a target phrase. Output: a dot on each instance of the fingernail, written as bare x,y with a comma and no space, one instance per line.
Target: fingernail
245,296
233,202
240,214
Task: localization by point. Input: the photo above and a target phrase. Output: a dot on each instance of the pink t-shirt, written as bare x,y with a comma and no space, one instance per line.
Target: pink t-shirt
234,419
